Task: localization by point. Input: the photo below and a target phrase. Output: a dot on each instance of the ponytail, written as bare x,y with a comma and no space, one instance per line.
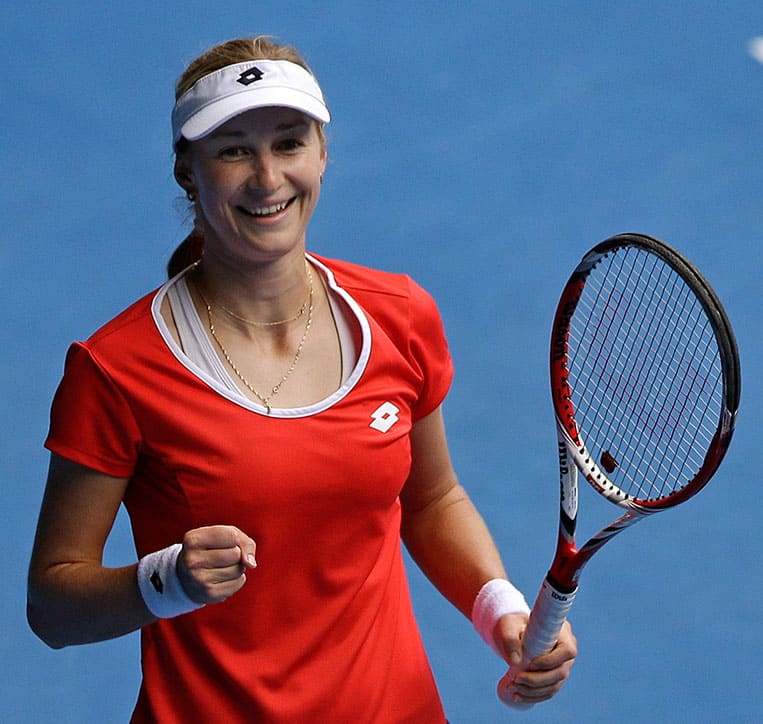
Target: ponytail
189,251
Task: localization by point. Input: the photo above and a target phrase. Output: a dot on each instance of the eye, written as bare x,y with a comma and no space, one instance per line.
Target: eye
231,153
287,145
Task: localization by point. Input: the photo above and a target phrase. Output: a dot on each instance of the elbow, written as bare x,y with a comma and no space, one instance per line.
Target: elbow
42,628
41,619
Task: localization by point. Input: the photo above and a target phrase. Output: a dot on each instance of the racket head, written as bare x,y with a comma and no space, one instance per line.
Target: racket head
645,374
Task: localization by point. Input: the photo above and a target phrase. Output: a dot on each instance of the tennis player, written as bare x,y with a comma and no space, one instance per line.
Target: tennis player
271,421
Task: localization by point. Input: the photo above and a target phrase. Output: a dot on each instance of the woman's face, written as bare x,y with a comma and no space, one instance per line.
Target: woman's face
257,181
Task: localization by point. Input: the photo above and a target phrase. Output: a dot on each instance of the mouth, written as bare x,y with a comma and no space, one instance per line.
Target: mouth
260,212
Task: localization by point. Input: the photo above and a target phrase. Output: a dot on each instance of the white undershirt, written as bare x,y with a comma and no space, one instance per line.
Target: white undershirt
197,345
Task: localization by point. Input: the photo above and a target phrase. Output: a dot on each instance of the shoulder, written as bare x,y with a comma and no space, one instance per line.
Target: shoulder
378,290
139,312
130,336
356,277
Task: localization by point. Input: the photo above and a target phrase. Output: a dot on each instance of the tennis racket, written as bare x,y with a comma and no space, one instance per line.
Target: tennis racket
645,382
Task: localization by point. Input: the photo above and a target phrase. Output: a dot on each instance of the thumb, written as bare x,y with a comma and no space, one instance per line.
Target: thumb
508,636
513,654
248,549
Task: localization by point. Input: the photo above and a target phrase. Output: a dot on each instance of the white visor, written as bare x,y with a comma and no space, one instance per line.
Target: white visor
223,94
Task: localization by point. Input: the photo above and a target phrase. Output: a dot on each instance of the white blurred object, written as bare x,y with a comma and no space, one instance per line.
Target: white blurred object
755,48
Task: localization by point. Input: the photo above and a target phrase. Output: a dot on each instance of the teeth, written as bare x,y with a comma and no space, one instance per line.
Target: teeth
266,210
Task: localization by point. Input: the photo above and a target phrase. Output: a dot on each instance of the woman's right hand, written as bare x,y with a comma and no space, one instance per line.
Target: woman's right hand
213,563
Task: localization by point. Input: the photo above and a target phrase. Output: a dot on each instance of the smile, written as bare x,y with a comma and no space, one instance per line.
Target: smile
260,211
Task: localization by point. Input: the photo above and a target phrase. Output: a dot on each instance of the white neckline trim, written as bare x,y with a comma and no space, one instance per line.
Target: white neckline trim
238,397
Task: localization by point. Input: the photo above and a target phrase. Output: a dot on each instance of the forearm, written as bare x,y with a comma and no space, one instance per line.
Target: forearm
83,602
450,542
72,598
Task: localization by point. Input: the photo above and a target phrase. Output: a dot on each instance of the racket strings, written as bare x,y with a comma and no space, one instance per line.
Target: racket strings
656,410
645,374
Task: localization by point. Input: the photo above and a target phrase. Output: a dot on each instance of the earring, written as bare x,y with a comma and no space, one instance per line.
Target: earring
321,178
190,196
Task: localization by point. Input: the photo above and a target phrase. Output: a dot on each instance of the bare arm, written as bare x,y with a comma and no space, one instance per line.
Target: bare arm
441,528
449,540
74,599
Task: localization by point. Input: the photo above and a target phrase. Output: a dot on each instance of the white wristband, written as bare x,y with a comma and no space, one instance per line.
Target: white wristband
495,599
160,586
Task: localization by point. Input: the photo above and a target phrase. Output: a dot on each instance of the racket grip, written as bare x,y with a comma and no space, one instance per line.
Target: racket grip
546,620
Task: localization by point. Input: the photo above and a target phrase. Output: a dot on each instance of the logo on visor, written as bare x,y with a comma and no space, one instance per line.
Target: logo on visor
249,76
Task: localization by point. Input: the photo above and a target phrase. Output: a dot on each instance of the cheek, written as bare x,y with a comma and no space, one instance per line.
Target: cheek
213,206
210,183
216,189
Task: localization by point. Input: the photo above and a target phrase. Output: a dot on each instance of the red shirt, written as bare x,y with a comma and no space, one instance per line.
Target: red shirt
323,630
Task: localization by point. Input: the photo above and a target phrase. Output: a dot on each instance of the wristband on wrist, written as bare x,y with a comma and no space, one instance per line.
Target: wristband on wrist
160,586
496,598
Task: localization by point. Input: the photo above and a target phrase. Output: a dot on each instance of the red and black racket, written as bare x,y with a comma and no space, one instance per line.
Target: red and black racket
645,381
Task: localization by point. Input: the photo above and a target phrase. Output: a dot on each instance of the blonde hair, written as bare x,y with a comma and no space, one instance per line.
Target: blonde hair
240,50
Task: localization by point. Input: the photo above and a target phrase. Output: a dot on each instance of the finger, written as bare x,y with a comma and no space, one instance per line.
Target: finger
244,545
541,680
211,585
211,558
521,697
215,591
214,536
530,688
238,545
203,566
564,651
515,694
530,693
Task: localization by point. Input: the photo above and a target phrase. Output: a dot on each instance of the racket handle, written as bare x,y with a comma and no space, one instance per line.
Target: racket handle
546,620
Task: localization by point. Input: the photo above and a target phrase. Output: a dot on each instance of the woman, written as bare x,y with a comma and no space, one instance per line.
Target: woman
271,421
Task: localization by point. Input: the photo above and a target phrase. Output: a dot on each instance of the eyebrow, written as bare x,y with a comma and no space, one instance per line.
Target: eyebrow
290,126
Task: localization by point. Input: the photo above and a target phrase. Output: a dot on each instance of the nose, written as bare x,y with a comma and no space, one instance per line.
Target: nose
265,174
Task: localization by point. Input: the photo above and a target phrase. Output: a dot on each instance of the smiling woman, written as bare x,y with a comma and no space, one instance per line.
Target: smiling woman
272,422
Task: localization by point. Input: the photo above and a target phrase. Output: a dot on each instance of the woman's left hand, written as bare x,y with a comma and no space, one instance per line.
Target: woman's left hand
545,675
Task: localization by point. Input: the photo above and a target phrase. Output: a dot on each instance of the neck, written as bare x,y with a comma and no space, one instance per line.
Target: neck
266,293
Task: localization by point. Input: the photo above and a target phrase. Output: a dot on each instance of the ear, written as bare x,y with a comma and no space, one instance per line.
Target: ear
183,174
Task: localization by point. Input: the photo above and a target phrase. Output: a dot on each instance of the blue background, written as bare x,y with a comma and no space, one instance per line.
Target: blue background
481,147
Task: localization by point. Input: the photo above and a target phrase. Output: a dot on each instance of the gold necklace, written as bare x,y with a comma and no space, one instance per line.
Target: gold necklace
255,323
265,400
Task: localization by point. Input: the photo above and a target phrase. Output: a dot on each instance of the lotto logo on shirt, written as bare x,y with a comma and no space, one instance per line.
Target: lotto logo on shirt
384,417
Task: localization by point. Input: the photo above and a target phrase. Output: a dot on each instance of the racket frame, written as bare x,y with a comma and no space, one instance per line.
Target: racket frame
560,585
573,454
